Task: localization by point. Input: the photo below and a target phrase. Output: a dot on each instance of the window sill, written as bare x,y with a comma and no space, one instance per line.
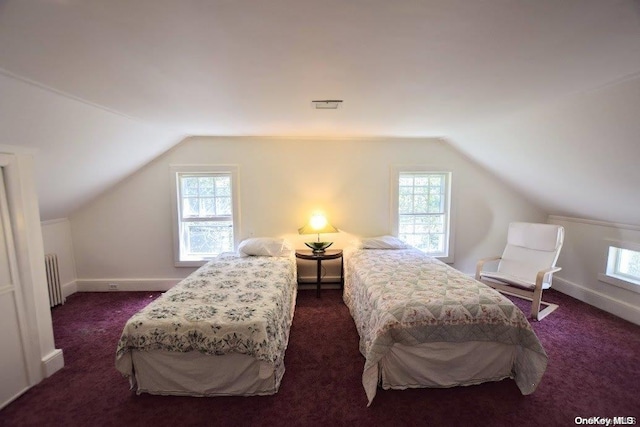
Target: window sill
447,259
198,263
621,283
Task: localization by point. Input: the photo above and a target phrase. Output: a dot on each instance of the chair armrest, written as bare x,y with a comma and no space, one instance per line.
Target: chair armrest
482,262
542,273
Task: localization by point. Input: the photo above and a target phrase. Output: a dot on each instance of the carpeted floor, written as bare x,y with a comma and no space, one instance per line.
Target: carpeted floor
594,371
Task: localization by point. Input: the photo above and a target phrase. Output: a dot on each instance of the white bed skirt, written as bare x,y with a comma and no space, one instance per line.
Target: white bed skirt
443,364
195,374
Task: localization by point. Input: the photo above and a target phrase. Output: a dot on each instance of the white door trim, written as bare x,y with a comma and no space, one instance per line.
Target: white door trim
13,291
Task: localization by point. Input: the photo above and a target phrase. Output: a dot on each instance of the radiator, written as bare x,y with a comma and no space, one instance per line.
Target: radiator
53,280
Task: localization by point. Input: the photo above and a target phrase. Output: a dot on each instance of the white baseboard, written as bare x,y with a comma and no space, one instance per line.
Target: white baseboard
598,299
52,362
125,285
152,285
302,279
309,282
69,289
313,286
161,285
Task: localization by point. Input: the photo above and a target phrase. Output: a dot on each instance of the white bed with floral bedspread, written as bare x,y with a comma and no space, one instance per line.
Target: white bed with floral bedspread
424,324
221,331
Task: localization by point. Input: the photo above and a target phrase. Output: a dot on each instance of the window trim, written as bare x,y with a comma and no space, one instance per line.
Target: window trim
174,170
448,256
609,276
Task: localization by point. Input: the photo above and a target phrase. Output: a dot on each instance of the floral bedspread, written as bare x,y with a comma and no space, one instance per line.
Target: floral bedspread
405,296
231,304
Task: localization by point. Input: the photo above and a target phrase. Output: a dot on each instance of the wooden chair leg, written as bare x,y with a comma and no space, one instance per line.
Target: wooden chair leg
546,311
536,300
535,303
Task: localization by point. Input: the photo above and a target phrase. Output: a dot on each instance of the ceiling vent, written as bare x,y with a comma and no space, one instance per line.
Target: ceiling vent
327,104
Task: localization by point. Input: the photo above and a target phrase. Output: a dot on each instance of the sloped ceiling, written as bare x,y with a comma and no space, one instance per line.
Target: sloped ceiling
487,75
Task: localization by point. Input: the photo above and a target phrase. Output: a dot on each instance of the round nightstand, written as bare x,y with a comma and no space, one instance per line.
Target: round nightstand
319,257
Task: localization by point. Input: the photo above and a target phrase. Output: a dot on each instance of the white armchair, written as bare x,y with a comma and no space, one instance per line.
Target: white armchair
527,264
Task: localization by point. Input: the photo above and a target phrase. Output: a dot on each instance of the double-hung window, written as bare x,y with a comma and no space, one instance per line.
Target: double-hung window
206,212
421,213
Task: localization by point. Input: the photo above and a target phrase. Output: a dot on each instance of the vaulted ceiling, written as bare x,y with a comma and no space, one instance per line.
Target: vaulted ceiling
545,93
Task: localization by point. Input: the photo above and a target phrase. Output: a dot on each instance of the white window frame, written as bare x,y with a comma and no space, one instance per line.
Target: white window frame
611,274
174,172
448,254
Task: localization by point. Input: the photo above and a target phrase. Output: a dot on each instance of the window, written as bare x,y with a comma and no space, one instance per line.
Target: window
205,205
623,265
626,264
421,214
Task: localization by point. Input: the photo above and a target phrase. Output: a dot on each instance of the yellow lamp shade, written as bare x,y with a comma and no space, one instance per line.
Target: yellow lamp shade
317,224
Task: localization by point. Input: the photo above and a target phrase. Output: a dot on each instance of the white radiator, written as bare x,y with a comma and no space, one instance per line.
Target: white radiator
53,280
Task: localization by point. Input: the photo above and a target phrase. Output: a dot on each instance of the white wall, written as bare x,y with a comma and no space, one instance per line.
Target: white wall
584,257
56,236
576,157
83,148
124,236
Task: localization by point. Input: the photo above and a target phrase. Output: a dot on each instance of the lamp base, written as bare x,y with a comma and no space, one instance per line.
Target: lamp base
318,247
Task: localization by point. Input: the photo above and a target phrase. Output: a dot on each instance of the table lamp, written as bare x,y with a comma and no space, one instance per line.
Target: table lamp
316,225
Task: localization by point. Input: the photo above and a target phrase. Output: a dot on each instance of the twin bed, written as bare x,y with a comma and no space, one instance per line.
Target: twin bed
224,329
424,324
221,331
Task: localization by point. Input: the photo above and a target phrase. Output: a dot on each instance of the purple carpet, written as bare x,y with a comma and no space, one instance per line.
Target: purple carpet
594,371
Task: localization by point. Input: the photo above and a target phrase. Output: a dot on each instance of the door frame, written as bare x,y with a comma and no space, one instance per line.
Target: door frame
24,212
29,358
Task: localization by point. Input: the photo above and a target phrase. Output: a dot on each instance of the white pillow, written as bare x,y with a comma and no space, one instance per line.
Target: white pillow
264,246
383,242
